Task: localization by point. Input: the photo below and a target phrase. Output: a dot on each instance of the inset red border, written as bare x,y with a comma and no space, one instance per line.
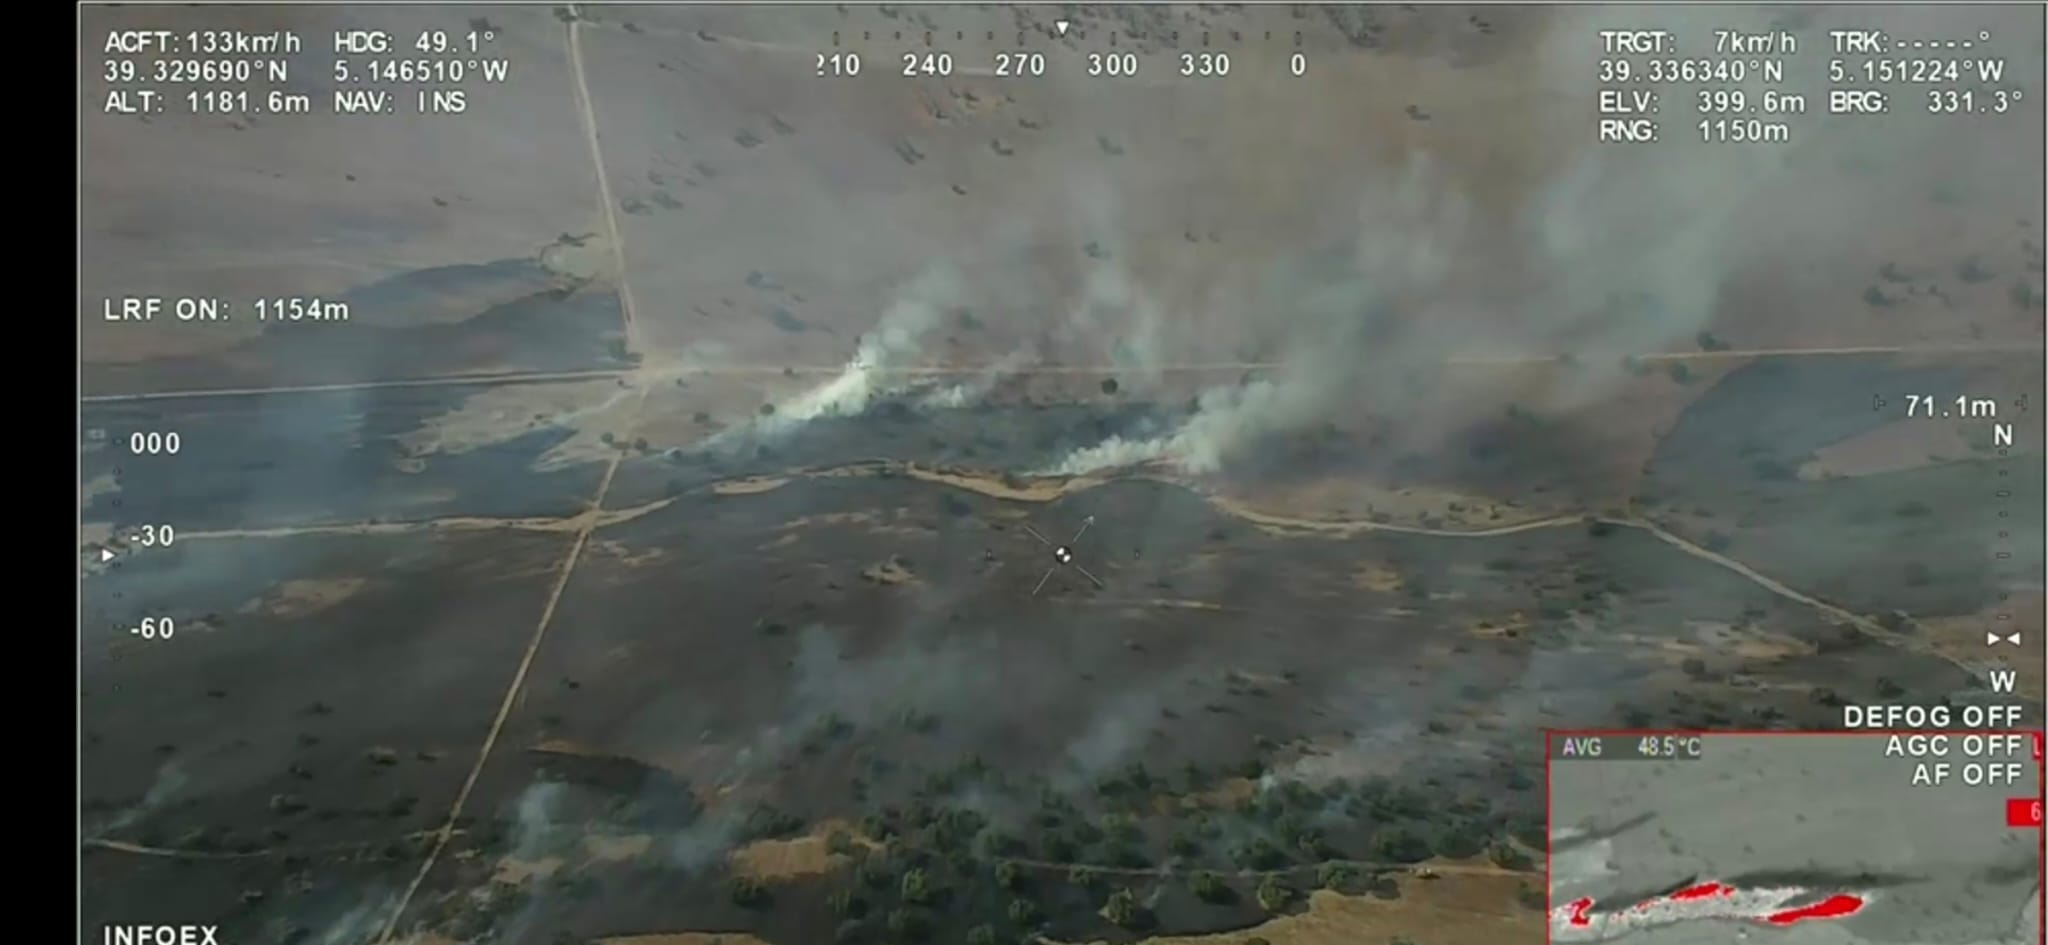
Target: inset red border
1550,807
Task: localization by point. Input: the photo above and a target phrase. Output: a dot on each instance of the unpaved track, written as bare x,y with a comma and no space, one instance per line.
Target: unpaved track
572,38
1047,490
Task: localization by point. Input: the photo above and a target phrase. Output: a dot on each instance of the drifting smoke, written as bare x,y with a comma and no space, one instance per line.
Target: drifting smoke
170,779
956,396
943,675
358,923
1329,329
705,842
896,342
1119,732
533,825
1560,248
1114,305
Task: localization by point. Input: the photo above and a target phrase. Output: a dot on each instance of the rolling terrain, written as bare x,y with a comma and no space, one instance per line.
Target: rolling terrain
655,558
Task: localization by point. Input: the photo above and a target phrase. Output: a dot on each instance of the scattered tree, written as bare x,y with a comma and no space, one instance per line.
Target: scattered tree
766,822
847,903
1210,888
917,888
875,874
909,924
1023,912
1261,854
1274,895
1401,844
1336,876
746,893
1122,909
1507,856
1009,876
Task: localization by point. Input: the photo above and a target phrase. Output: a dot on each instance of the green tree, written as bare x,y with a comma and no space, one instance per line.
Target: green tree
1507,856
981,935
1209,887
1024,912
1008,875
1459,841
1122,909
1084,877
1261,854
1000,843
746,893
1401,845
1335,875
909,924
1273,895
917,888
847,903
876,874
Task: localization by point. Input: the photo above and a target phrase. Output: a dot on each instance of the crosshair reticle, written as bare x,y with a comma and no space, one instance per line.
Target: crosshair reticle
1063,555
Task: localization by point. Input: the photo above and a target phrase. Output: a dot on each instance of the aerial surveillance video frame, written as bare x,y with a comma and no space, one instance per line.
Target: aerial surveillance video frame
882,474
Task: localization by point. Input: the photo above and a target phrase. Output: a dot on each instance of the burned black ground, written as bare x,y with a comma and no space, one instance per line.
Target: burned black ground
848,646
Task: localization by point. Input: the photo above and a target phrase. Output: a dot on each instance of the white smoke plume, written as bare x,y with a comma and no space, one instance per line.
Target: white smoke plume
360,922
965,393
1116,306
1614,256
896,342
1326,335
533,825
170,780
1548,245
